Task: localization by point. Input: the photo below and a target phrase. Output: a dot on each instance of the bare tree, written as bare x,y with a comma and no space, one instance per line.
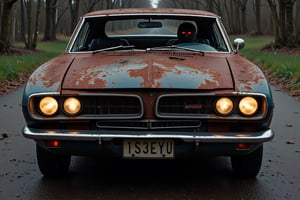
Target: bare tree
47,31
257,11
74,9
243,5
6,24
90,5
31,37
283,22
37,24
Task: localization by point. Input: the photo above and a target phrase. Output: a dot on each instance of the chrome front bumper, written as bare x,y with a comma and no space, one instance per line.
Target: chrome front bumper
107,135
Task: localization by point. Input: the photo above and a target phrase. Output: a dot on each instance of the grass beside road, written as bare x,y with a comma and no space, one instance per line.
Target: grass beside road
284,68
12,66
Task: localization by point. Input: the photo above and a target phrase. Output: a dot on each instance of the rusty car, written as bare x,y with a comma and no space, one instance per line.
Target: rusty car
149,84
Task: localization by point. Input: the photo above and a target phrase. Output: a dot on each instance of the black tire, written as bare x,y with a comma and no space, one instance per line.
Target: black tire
247,166
51,164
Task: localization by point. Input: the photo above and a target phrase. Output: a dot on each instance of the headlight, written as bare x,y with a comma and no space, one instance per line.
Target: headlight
248,106
48,106
224,106
72,106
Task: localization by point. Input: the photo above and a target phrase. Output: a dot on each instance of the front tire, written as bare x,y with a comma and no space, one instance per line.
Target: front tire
247,166
51,164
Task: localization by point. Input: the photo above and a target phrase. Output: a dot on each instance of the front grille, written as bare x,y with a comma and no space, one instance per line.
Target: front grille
184,106
148,124
111,106
175,124
127,124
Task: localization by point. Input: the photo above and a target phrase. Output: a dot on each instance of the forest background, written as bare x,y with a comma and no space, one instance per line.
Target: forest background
33,20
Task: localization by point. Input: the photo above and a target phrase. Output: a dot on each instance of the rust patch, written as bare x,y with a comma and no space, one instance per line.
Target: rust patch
166,72
50,74
248,77
106,74
148,71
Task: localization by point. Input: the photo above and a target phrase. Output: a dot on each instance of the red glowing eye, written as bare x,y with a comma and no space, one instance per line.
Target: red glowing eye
189,33
183,32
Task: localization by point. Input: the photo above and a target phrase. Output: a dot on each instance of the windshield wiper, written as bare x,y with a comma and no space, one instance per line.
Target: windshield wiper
114,48
166,48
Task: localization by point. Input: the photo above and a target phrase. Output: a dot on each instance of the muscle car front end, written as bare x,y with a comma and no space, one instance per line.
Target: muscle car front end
138,97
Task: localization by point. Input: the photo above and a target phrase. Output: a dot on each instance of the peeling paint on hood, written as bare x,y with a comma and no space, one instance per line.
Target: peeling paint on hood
148,70
247,76
48,77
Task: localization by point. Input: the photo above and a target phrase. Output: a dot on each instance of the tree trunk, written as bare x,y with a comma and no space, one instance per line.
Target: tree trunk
74,8
29,26
257,16
243,6
284,23
236,11
23,28
229,19
5,43
290,34
297,24
48,24
275,21
37,25
53,16
282,20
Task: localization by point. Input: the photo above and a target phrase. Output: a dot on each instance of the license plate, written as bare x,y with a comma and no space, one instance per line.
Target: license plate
148,148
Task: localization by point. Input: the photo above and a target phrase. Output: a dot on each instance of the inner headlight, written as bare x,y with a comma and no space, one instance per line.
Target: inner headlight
248,106
72,106
48,106
224,106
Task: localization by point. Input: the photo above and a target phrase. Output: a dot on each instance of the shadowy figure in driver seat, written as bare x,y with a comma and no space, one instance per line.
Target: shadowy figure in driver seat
186,33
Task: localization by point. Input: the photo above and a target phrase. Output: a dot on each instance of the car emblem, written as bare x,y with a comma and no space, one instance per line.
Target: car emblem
193,106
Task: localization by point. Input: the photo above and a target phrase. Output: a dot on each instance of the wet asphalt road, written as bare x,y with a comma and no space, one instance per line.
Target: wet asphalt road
205,178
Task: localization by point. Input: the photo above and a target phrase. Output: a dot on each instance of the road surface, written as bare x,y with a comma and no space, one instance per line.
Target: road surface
95,178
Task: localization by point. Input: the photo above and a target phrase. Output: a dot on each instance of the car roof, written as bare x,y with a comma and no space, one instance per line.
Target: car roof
151,11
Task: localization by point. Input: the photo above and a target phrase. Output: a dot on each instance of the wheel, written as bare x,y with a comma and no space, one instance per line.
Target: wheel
247,166
51,164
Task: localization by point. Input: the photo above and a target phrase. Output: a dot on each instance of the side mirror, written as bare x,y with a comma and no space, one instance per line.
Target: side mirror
238,43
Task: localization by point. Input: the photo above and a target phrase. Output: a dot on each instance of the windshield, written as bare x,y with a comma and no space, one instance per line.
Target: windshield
199,34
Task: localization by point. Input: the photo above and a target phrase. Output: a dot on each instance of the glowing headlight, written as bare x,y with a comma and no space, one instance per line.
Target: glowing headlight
72,106
248,106
224,106
48,106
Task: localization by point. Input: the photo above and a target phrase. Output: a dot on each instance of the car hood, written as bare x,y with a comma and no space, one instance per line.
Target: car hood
148,70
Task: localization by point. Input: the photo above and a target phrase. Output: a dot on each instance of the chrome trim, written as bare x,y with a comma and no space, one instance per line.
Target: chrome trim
124,127
94,135
212,115
149,124
83,117
74,35
224,35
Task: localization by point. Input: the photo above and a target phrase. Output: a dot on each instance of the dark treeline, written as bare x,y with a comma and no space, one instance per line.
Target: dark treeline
28,20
